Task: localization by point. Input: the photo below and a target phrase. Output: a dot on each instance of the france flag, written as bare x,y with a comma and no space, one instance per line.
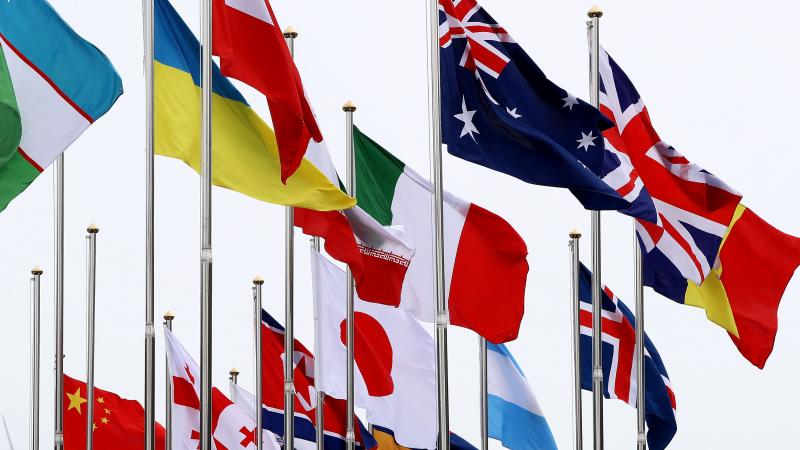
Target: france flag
515,418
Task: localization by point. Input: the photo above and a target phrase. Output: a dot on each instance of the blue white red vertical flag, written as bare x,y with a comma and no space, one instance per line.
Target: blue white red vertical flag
694,207
499,110
619,363
515,417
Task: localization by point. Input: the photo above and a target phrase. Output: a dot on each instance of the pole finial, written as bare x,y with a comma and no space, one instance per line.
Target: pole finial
349,106
575,233
93,228
234,371
290,32
258,280
595,11
37,270
169,315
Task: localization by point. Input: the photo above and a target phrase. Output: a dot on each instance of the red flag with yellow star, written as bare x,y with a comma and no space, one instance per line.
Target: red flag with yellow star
118,423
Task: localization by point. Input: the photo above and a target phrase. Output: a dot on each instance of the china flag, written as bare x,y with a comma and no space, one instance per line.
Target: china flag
118,423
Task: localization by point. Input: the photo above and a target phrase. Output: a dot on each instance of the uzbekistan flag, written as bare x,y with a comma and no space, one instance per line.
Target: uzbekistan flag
245,155
485,259
53,85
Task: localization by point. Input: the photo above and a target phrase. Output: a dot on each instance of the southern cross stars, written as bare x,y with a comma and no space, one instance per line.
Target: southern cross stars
569,101
466,117
586,140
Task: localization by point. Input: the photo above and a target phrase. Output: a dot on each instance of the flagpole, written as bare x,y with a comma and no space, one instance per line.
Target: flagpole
349,108
205,251
484,380
58,181
91,282
597,285
36,295
233,377
149,329
575,268
319,411
641,437
288,343
258,283
436,169
169,316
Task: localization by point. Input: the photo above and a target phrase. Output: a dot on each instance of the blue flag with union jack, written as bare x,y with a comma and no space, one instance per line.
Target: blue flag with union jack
499,110
619,363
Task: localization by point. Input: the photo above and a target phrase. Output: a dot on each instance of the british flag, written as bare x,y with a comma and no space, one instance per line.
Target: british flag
619,363
694,207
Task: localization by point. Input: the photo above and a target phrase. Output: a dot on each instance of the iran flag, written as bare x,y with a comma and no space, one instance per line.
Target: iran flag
395,372
485,259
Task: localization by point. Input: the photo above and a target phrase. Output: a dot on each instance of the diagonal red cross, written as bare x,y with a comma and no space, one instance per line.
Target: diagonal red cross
479,53
249,436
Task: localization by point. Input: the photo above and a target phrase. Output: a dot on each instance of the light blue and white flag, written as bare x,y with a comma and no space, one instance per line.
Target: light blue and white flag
515,418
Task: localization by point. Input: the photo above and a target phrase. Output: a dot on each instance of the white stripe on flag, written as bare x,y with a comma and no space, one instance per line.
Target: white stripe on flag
508,383
254,8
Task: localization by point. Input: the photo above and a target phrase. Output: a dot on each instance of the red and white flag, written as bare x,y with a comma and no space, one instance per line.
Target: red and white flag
252,49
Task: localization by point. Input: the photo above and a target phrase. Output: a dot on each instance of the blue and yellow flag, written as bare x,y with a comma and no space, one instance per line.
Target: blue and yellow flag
245,153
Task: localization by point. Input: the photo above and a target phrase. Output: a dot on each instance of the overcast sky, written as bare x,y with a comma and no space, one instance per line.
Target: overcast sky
720,85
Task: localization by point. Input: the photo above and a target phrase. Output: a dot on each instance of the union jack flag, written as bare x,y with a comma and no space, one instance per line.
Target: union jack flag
619,363
693,207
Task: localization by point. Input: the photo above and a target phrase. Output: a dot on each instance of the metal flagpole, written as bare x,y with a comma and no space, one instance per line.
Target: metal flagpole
641,437
484,377
205,252
436,169
58,181
597,286
575,268
319,411
349,108
233,377
36,295
91,282
149,329
288,343
258,283
169,316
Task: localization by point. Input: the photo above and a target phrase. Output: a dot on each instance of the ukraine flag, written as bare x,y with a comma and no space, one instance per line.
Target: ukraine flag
245,153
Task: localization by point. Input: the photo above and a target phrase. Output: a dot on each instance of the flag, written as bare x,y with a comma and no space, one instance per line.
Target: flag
335,410
515,417
245,157
694,207
742,294
252,49
53,85
378,256
619,363
385,438
395,373
235,428
485,259
118,423
500,111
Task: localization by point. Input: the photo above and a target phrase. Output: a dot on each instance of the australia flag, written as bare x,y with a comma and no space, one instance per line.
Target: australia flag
500,111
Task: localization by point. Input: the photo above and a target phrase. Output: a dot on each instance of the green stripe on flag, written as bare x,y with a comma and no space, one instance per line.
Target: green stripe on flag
377,172
15,175
10,122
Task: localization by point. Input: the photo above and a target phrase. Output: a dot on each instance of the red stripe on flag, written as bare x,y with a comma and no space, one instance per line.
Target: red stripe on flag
183,393
30,160
669,229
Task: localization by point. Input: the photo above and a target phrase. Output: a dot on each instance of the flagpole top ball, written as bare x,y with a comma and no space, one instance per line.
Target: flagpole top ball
93,228
37,270
169,315
290,32
234,371
258,280
349,106
595,11
575,233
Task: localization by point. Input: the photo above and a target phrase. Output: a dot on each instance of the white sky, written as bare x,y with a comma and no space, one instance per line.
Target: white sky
719,81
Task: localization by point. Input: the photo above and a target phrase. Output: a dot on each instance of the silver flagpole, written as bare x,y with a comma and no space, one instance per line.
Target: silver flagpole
575,268
288,343
91,282
484,377
258,283
349,108
149,329
36,295
205,251
319,412
641,437
169,316
233,377
436,169
597,285
58,180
